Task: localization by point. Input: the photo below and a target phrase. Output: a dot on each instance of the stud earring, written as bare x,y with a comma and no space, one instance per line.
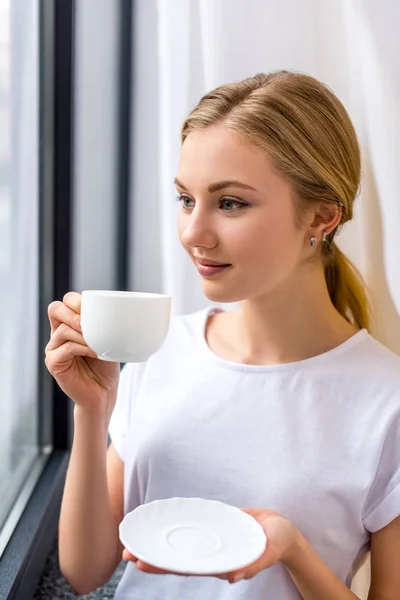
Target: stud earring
324,236
313,241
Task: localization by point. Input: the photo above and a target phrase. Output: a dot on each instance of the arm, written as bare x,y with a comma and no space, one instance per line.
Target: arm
315,581
89,545
312,577
385,563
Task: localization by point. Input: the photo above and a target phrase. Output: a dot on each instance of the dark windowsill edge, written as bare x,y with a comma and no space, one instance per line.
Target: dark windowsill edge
24,558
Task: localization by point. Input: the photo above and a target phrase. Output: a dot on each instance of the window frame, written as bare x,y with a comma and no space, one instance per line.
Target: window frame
37,510
33,536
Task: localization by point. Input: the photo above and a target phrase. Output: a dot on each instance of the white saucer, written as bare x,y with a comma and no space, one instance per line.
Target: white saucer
192,536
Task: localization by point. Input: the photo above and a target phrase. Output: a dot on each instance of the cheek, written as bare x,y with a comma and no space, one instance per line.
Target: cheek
260,233
265,240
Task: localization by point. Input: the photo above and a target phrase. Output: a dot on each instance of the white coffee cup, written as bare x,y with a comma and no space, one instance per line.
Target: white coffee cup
124,326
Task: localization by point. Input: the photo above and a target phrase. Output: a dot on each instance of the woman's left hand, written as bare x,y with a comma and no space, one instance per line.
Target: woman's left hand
282,538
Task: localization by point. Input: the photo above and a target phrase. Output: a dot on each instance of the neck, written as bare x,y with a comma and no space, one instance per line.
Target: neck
293,323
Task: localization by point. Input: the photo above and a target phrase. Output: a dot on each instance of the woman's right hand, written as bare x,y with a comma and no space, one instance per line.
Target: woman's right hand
90,382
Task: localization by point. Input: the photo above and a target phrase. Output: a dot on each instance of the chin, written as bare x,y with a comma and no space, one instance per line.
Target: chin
220,294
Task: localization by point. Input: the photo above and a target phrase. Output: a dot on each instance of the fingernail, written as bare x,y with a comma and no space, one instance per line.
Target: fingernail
238,577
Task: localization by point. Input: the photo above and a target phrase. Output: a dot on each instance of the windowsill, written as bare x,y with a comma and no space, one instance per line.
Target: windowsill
24,557
30,474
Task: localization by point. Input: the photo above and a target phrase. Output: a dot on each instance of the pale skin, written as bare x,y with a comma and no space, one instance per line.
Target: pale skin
273,269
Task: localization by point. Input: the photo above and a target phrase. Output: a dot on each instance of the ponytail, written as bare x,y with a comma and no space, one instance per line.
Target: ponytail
347,289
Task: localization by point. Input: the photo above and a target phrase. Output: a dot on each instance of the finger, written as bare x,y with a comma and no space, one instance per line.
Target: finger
234,576
141,565
59,313
146,568
63,334
238,576
65,353
261,512
254,512
264,562
127,556
73,300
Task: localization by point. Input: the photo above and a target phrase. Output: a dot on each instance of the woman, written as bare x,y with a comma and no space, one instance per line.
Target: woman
286,406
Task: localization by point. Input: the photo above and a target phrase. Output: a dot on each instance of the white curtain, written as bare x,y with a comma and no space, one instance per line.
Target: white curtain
183,49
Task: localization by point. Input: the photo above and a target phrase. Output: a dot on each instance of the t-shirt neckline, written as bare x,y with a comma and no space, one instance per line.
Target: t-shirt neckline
318,360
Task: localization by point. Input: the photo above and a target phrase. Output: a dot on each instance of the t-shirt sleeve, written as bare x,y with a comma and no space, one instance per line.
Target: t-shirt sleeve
383,502
129,383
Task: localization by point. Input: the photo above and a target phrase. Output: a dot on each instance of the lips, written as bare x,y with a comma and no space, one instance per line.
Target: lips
210,268
210,263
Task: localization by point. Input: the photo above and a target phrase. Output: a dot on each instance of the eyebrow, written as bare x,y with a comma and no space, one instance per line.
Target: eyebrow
219,185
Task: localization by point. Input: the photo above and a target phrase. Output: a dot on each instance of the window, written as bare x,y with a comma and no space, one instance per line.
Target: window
35,205
41,154
19,208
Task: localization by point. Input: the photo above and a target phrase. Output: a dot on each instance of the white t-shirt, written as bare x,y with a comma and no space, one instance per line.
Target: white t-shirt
316,440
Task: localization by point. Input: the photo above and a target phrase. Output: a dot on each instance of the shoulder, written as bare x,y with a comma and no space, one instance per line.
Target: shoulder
369,375
185,335
187,328
377,361
365,356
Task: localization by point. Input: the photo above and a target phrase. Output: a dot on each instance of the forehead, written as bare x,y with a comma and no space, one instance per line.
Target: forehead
217,153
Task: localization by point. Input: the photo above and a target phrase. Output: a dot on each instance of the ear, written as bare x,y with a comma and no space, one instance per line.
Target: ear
325,216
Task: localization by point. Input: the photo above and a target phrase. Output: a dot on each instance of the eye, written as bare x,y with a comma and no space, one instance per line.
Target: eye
185,201
226,204
230,204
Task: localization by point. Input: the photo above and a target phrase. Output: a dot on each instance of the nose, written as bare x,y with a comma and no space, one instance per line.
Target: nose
196,230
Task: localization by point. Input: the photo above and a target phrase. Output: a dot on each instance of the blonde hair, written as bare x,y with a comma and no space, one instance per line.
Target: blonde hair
308,135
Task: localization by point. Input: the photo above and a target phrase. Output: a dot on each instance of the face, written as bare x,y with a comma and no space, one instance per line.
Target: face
238,212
